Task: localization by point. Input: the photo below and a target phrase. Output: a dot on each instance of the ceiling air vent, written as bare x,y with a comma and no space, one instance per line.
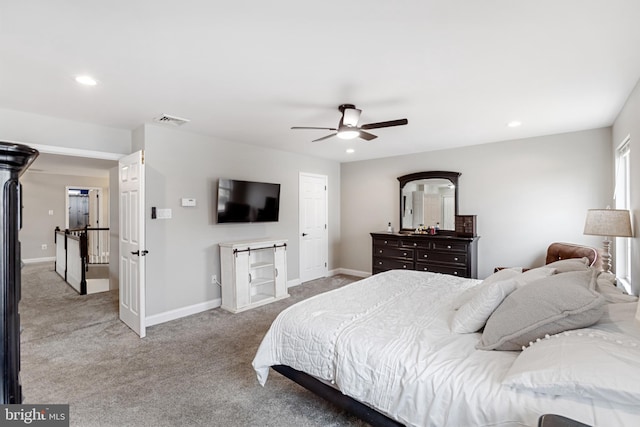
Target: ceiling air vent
171,120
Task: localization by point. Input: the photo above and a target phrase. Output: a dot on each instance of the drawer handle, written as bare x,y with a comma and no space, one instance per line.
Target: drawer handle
379,262
380,251
448,246
426,256
404,254
425,269
455,273
415,244
404,266
385,242
455,259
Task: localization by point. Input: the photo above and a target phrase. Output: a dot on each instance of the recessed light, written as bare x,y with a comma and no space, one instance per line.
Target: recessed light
86,80
514,124
350,150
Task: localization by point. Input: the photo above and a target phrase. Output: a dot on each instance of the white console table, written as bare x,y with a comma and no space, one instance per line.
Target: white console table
253,273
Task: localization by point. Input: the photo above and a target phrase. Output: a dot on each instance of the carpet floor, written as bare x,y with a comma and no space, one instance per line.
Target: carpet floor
194,371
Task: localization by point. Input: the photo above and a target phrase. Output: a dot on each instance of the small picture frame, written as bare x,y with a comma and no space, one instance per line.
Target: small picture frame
466,225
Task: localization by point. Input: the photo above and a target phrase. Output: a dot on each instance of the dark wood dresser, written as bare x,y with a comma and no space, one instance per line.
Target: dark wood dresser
448,254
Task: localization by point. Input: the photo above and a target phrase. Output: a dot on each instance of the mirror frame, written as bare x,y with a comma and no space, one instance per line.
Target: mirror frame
451,176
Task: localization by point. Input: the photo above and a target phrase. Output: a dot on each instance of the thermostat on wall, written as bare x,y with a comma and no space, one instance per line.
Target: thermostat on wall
188,202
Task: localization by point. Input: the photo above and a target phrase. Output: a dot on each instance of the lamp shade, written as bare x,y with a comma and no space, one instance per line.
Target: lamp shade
608,222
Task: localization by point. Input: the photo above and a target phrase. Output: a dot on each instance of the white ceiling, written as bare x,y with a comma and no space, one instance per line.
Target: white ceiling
247,71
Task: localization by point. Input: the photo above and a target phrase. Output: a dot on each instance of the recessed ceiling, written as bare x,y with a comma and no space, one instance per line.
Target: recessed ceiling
247,71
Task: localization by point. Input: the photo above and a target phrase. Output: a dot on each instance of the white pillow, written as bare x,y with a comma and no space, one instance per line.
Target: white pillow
498,276
587,363
472,316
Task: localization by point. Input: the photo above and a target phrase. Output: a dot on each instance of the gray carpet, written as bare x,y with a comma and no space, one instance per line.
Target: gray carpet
194,371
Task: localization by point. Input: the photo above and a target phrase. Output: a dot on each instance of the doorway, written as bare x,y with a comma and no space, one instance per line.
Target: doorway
84,207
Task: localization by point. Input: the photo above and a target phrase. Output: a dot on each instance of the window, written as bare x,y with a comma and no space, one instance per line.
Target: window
622,198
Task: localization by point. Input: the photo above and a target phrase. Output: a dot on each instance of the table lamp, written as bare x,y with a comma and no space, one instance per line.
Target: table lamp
608,223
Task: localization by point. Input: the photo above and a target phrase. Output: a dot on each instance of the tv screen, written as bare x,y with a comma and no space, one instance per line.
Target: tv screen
247,201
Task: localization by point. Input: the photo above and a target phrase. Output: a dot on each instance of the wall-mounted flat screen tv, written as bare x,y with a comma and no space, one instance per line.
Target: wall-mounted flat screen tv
247,201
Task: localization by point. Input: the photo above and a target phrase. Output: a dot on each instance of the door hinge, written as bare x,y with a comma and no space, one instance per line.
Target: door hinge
325,264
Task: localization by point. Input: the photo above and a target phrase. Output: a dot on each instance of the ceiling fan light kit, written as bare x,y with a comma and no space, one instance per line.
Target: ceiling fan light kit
348,134
348,126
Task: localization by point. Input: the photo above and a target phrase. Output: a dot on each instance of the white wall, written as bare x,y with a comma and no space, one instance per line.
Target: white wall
628,124
526,194
183,251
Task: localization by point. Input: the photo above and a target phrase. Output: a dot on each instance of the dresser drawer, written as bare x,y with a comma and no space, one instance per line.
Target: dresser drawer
446,257
382,264
415,244
450,246
444,269
388,252
386,242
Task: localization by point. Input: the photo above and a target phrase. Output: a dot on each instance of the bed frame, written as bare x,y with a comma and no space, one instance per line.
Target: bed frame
335,396
555,252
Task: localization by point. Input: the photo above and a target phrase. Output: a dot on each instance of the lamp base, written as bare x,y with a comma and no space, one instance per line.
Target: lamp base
606,256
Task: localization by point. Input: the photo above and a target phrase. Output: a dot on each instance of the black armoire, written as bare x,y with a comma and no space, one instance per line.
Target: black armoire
14,160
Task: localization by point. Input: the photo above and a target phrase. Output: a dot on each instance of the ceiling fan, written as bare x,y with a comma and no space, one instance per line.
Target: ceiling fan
348,126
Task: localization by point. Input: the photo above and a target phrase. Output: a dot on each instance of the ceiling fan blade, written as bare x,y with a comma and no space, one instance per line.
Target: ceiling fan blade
324,137
366,135
310,127
351,116
390,123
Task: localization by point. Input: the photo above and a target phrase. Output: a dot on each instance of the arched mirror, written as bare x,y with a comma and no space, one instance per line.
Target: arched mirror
428,199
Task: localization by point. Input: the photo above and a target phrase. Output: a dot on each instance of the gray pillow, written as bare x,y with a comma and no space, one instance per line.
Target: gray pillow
585,278
541,308
570,264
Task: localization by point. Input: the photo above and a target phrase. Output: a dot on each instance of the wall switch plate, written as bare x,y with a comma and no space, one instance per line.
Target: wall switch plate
163,213
51,212
43,247
214,279
188,202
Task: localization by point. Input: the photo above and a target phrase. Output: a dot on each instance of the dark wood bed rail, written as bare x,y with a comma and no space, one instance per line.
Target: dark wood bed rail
358,409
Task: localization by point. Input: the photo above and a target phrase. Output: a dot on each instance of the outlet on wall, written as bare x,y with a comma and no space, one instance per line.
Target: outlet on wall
44,247
214,279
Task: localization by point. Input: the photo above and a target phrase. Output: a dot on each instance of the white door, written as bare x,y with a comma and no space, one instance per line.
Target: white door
132,249
313,226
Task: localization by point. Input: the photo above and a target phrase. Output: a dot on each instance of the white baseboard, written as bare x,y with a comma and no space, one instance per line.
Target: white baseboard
178,313
36,260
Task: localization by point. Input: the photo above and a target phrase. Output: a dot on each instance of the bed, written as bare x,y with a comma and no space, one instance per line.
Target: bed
426,349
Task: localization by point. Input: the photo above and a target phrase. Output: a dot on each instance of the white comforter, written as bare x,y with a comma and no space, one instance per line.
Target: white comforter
386,341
